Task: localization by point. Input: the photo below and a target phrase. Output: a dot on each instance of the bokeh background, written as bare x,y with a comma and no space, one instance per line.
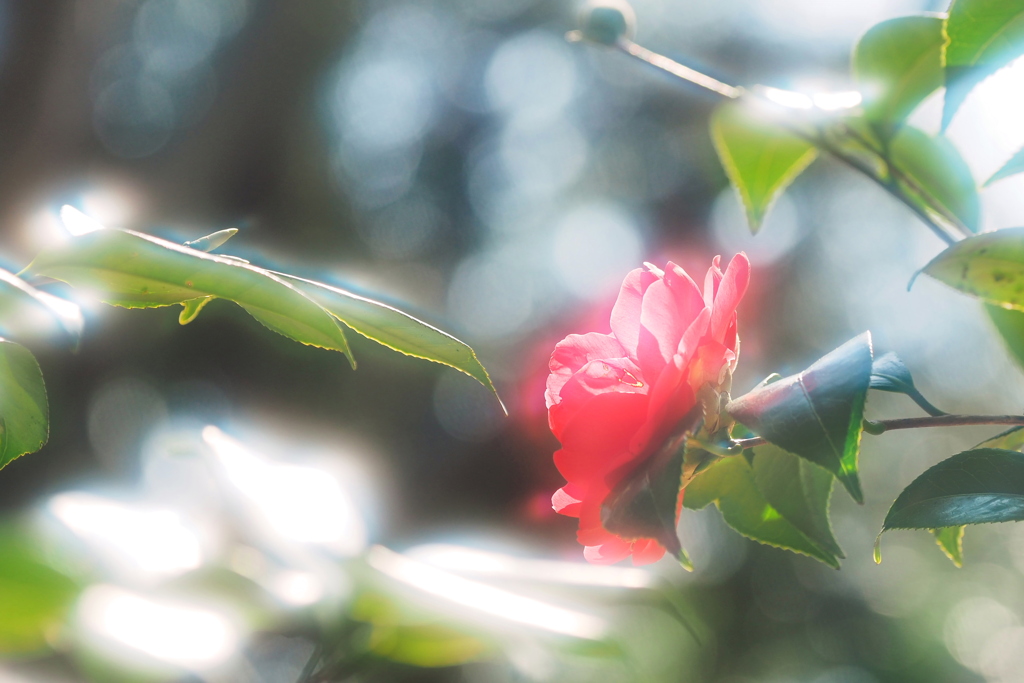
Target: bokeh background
461,159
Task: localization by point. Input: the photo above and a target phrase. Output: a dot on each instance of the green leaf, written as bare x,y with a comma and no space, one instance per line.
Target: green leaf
730,484
983,36
393,328
888,373
24,413
936,171
1013,166
213,240
35,598
644,503
816,414
20,302
139,271
1010,325
951,541
897,64
1010,440
978,486
760,158
989,266
190,309
800,491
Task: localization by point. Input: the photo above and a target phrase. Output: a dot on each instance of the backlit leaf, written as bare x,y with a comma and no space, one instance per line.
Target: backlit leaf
799,490
978,486
1013,166
984,36
816,414
897,64
26,310
729,483
1010,440
24,413
934,169
760,158
989,266
951,541
1010,325
213,240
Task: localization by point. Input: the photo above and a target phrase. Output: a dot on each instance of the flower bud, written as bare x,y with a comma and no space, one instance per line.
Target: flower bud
607,21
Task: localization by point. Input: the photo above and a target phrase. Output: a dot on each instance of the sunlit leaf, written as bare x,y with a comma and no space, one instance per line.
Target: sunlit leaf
897,64
393,328
139,271
24,414
760,158
23,307
989,266
729,483
800,491
1013,166
933,168
35,598
816,414
951,541
974,487
888,373
1010,325
213,240
1010,440
984,36
190,309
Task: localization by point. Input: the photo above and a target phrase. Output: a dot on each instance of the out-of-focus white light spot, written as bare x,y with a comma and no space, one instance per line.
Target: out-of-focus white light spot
485,599
837,23
77,222
539,161
971,624
184,636
296,588
147,541
834,101
532,75
384,104
403,229
134,117
301,504
176,35
491,296
594,245
777,236
472,561
787,98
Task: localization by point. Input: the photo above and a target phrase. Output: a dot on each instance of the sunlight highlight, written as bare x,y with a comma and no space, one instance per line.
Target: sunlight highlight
189,637
78,223
485,599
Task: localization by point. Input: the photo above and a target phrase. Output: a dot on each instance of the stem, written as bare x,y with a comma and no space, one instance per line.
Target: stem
882,426
731,92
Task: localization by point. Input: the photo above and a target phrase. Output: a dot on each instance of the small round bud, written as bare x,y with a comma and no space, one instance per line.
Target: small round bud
606,21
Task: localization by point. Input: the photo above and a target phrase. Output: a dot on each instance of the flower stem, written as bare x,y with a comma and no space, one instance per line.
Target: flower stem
882,426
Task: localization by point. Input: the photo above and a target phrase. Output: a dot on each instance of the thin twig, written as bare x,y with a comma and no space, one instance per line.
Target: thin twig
882,426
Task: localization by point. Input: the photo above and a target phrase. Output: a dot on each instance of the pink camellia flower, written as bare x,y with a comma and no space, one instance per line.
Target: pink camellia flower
613,399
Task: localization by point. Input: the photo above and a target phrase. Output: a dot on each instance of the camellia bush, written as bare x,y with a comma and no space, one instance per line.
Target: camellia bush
648,417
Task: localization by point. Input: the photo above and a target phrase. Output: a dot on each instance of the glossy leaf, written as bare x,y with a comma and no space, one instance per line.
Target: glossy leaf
989,266
897,64
816,414
951,541
974,487
935,169
730,484
800,491
888,373
393,328
1013,166
24,413
36,599
645,503
984,36
1010,325
760,158
139,271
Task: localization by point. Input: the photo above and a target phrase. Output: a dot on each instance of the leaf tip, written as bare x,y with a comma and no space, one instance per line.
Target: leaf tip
877,553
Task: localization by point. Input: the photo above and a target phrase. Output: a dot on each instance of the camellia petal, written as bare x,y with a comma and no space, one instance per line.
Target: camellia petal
625,319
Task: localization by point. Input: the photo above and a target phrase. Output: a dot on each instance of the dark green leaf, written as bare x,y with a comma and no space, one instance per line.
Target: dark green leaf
213,240
888,373
760,158
951,541
644,504
989,266
816,414
984,36
800,491
1013,166
24,414
139,271
934,170
974,487
729,483
1010,325
393,328
897,64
